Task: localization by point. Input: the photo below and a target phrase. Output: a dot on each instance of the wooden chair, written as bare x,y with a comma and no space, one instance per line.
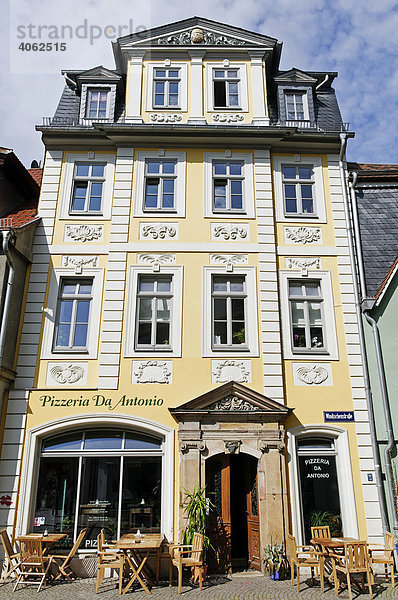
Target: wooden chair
354,560
108,560
387,558
34,565
11,554
320,532
304,556
65,570
187,555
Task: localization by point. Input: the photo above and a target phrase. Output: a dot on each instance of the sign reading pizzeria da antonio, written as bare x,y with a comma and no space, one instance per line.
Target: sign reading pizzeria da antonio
99,400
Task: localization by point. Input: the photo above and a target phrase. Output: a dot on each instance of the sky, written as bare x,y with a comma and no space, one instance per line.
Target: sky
357,38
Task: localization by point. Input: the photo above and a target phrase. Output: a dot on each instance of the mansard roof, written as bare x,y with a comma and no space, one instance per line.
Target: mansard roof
97,74
297,76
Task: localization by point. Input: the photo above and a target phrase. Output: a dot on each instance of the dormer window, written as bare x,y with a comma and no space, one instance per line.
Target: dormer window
296,105
97,104
226,88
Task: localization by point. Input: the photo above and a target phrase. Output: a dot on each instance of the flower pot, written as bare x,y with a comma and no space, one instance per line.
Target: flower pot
274,575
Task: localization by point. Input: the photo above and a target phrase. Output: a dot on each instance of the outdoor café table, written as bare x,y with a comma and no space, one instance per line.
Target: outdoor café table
48,540
331,545
130,544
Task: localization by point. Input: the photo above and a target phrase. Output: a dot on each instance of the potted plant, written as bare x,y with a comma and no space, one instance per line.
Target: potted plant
275,560
197,509
333,520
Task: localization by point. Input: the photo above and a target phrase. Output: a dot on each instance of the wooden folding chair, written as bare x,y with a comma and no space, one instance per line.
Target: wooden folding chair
11,554
320,532
187,556
108,560
65,570
355,560
34,565
387,556
304,556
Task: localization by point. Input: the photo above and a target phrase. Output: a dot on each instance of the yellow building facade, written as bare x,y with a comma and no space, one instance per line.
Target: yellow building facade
189,319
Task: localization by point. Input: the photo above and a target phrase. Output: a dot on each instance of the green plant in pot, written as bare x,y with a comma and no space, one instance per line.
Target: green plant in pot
275,560
197,509
333,520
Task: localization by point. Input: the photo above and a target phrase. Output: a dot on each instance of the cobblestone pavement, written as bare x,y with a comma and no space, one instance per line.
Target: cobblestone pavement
237,587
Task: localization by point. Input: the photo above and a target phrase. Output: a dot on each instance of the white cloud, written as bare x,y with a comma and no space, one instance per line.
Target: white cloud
358,39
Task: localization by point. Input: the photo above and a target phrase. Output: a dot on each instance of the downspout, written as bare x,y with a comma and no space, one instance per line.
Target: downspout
6,238
368,392
322,82
379,357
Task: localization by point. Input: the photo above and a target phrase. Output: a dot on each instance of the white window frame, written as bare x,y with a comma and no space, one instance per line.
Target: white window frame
344,475
143,425
183,95
154,296
110,107
251,320
179,190
50,315
243,101
303,94
90,179
329,327
248,185
107,188
75,298
319,214
90,90
176,313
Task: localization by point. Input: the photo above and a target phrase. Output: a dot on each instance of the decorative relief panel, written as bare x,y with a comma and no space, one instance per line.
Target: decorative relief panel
312,374
83,233
230,370
302,235
152,371
165,118
303,263
158,231
156,260
199,36
230,231
66,374
227,118
229,260
78,262
232,403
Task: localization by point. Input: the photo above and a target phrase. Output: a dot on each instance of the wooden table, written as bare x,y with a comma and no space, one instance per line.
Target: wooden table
330,544
48,540
130,544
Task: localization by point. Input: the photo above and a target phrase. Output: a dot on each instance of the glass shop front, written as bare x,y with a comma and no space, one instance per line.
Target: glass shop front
99,479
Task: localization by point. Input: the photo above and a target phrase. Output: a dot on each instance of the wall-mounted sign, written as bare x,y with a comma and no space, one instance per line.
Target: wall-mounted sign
338,415
98,400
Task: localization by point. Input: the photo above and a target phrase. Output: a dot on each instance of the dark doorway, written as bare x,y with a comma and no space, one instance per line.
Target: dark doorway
234,525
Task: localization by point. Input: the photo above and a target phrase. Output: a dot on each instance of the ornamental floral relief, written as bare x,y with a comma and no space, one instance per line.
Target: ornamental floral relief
223,371
227,118
232,403
305,374
229,260
67,374
303,235
165,118
83,233
78,262
303,263
152,371
229,231
199,36
156,260
158,231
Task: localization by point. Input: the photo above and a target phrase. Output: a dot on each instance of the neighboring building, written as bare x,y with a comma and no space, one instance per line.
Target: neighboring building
198,324
376,204
19,196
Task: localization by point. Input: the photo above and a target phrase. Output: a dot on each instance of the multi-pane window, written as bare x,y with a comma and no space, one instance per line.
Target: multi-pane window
228,186
295,106
154,311
160,184
298,189
88,183
73,314
226,88
307,315
229,311
166,88
97,104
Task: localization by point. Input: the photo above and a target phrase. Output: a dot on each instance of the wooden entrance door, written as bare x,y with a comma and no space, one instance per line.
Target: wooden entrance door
231,483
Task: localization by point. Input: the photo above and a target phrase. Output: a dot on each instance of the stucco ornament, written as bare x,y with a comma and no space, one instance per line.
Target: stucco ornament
227,118
303,235
233,403
303,263
158,231
78,262
153,371
84,233
156,260
232,447
312,375
197,35
67,373
165,118
231,370
229,260
230,232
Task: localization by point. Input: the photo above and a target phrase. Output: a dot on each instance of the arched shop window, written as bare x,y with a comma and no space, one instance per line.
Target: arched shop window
100,479
318,484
